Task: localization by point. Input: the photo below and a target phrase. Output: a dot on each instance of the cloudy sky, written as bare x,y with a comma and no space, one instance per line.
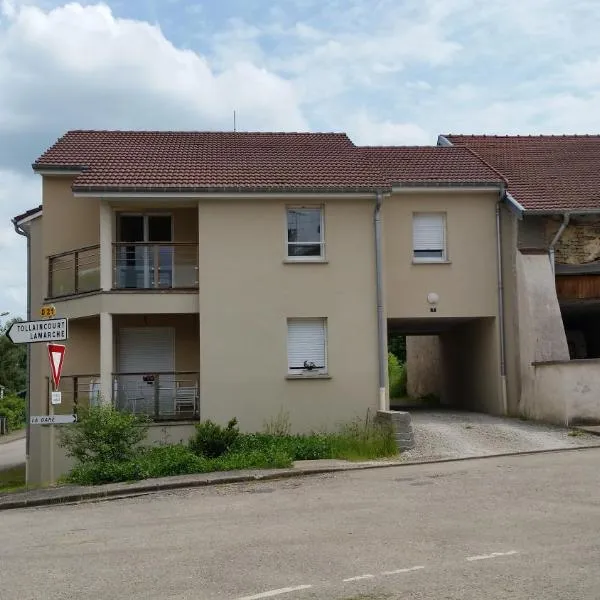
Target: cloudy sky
384,71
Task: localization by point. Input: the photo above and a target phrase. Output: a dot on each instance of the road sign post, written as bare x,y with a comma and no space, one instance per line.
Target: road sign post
47,330
56,356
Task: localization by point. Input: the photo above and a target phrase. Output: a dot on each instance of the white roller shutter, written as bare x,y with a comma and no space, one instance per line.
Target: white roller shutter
146,350
306,343
429,235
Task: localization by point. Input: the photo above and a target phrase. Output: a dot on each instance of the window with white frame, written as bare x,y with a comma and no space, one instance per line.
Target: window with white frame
305,233
307,345
429,237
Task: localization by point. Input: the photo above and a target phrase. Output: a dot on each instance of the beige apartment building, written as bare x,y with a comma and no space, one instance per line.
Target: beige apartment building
213,275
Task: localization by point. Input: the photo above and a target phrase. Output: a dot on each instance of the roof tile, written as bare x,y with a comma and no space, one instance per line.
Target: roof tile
240,161
545,173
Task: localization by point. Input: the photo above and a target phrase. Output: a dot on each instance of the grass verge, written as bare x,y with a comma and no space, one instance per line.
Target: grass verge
12,479
164,461
357,441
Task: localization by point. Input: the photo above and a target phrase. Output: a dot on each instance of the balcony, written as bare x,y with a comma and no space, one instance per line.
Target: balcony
160,396
78,392
163,396
74,272
155,266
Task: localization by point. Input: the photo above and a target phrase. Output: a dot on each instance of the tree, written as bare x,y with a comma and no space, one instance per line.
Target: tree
397,346
13,361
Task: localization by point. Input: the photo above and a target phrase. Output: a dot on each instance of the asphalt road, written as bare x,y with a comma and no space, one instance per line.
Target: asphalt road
516,527
12,454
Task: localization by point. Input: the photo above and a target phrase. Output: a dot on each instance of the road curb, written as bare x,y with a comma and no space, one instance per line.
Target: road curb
14,436
145,488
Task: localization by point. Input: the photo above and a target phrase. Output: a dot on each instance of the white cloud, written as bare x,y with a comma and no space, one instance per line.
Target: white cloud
89,69
367,131
18,193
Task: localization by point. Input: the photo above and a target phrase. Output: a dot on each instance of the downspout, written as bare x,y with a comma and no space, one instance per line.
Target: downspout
381,325
501,317
555,239
25,233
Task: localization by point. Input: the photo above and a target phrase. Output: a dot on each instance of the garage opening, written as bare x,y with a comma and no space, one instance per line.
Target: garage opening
444,362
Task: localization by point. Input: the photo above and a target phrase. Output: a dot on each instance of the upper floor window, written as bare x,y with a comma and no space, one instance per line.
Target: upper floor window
429,237
305,233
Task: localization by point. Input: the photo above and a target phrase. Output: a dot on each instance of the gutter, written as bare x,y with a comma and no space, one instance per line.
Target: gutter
26,233
501,318
381,325
555,239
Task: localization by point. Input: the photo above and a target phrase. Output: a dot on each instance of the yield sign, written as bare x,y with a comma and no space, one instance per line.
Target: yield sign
56,354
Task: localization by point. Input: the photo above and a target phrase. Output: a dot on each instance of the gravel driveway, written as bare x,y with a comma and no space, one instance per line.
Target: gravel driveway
448,434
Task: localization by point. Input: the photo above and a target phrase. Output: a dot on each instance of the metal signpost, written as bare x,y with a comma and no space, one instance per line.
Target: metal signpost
48,330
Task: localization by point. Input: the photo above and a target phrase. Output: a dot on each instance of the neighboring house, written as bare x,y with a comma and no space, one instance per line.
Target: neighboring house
556,257
212,275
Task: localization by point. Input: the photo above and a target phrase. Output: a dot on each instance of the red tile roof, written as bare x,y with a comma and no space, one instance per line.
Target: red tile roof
229,161
545,173
210,161
437,164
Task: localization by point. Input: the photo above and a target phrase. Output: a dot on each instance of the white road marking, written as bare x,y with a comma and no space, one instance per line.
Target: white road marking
359,577
398,571
492,555
271,593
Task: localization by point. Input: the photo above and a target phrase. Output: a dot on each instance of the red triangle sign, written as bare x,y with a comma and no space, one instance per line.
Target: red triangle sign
56,355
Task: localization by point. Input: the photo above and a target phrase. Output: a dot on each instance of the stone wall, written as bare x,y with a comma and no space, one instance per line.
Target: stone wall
566,393
579,243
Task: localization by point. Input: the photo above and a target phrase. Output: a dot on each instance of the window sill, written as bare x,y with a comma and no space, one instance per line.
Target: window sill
304,261
308,376
431,262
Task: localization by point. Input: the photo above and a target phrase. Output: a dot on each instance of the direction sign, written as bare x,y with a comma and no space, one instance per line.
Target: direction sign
53,419
56,355
28,332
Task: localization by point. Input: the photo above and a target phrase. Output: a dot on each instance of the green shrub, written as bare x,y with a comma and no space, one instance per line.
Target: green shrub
212,440
164,461
13,408
103,435
396,376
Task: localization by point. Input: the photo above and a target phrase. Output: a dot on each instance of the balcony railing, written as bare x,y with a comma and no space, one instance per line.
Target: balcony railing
74,272
143,266
162,396
78,392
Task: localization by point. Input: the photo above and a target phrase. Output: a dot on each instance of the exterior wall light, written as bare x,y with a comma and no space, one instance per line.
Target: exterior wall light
432,300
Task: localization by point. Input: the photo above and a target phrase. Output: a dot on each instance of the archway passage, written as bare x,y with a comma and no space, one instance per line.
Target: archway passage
449,362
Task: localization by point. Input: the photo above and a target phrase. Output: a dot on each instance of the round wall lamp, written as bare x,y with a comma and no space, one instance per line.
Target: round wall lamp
432,300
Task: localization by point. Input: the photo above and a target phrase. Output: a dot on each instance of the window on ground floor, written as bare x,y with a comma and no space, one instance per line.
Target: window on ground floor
307,345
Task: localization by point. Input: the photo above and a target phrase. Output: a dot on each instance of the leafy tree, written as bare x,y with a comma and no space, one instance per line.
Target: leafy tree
13,361
397,346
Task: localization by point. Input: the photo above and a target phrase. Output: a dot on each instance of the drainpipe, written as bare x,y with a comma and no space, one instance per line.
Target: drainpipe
381,325
25,233
552,247
501,327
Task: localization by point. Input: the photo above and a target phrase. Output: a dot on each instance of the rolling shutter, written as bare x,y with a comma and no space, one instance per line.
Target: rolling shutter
146,350
306,342
429,239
